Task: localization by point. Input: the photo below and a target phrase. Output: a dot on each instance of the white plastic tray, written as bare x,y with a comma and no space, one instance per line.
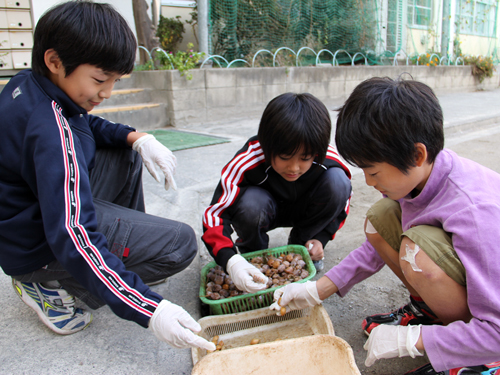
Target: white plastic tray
305,335
318,355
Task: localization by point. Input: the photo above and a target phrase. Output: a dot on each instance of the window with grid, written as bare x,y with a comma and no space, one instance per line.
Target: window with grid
419,12
394,29
477,17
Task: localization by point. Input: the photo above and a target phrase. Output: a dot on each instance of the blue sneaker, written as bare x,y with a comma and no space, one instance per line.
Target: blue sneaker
488,369
55,307
414,313
319,265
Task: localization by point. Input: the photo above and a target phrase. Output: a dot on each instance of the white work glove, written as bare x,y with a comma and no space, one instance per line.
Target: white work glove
154,153
296,296
245,276
388,341
172,324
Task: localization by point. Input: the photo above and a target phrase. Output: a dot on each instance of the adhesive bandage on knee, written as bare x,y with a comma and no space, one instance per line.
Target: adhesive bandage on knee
410,257
370,229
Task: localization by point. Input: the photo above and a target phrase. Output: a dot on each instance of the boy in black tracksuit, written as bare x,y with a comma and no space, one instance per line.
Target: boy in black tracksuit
72,220
286,176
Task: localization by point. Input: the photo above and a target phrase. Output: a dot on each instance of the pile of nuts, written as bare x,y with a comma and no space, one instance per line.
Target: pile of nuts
220,285
219,344
280,270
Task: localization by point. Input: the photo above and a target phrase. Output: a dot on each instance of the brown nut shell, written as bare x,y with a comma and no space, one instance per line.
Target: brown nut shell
219,280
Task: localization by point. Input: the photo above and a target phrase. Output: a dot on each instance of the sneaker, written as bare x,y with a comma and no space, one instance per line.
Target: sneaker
55,307
488,369
415,312
319,265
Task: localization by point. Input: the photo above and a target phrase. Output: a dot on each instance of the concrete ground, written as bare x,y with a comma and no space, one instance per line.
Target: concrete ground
114,346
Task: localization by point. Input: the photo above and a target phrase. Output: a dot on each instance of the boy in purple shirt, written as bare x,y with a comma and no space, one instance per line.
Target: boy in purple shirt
436,227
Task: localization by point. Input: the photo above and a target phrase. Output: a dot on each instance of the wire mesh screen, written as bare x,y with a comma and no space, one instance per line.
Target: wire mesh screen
221,329
364,31
239,28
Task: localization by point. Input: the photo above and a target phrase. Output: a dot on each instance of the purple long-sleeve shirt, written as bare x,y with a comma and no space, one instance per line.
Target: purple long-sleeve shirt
461,197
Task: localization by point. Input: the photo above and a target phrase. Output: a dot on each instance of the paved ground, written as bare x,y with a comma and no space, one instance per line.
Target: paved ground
113,346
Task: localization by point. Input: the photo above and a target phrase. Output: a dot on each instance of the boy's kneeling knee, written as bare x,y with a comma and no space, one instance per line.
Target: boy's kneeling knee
188,243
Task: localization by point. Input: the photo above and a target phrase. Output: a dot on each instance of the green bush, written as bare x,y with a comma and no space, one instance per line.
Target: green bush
149,65
170,32
482,67
428,59
180,60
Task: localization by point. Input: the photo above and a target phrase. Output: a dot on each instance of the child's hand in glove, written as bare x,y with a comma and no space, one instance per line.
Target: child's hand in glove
154,153
172,324
245,275
388,341
296,296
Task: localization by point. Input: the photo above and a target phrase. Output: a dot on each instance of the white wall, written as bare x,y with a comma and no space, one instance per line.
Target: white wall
174,8
123,6
39,7
421,41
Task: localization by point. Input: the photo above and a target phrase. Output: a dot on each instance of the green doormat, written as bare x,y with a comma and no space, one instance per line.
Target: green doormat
179,140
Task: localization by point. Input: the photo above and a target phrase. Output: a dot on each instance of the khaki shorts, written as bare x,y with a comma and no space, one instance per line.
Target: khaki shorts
385,216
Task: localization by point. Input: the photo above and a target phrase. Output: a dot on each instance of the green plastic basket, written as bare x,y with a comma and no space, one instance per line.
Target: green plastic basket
252,301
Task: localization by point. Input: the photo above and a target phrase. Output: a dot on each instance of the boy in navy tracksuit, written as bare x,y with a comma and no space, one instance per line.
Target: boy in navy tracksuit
72,219
286,176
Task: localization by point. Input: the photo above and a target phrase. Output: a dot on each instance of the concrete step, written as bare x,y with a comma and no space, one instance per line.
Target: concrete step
142,116
125,82
133,106
128,96
123,108
129,105
3,82
126,91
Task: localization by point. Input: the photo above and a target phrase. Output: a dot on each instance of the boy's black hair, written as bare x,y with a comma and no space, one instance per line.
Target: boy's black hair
83,32
383,119
291,121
